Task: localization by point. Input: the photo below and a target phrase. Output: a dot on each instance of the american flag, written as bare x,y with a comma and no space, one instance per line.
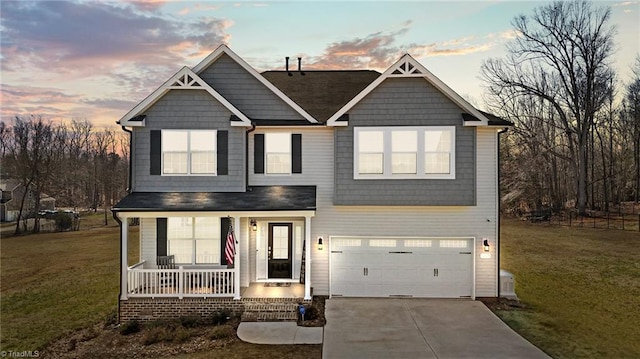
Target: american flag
230,247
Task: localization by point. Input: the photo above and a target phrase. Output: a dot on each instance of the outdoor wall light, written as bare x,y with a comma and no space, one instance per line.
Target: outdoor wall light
320,246
254,225
485,243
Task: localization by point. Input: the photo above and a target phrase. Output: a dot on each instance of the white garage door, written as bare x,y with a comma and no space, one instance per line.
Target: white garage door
418,267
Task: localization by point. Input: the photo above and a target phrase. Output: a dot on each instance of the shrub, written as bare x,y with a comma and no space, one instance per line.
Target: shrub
130,327
111,319
181,335
220,317
63,221
221,332
157,334
190,321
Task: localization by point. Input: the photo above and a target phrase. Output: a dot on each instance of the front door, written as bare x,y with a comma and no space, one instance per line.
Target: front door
279,250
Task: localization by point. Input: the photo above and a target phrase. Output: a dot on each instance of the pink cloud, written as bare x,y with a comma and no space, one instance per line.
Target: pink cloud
374,51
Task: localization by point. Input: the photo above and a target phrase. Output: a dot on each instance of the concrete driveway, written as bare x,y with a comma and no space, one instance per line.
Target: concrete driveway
419,328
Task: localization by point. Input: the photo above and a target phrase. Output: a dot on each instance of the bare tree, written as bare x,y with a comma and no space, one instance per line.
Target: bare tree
632,112
561,56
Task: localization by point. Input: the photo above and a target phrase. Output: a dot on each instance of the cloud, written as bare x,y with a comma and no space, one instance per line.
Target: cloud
379,50
627,3
67,35
57,105
197,8
375,51
147,5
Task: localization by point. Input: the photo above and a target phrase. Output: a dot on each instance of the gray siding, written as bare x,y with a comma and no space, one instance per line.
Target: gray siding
406,102
187,109
245,92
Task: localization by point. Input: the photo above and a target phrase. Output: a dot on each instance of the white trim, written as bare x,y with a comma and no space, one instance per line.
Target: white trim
407,60
308,260
163,214
237,258
185,79
224,49
124,244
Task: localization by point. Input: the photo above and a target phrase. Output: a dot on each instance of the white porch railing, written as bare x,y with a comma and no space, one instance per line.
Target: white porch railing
179,282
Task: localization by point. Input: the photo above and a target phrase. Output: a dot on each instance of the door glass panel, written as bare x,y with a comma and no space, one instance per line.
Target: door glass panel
280,242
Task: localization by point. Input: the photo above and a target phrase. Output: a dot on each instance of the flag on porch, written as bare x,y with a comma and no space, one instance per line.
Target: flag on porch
230,247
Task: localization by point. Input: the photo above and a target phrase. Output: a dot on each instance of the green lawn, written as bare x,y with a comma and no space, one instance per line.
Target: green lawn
54,283
581,287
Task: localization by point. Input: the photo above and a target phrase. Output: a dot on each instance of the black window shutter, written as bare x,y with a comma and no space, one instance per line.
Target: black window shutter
258,153
223,152
296,153
224,229
161,236
155,167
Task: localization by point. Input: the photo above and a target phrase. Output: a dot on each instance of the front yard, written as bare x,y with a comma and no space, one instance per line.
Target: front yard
581,288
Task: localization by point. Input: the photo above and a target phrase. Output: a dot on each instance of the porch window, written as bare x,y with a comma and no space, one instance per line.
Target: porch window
194,240
189,152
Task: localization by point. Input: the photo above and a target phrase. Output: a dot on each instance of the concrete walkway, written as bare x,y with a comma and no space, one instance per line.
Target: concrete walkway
279,333
419,328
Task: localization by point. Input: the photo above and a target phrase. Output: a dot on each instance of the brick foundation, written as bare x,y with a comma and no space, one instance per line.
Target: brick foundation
149,309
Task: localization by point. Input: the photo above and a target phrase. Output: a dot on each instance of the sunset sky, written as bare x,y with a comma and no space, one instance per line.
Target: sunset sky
95,60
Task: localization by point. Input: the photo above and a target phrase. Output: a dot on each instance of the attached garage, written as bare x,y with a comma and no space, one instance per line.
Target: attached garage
414,267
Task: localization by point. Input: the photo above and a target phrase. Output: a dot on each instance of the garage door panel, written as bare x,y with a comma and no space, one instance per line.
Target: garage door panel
375,267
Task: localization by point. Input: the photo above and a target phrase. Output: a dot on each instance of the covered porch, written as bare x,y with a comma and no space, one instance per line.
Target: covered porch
276,228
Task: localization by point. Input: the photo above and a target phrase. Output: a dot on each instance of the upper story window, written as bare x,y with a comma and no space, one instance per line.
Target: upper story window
404,152
277,150
189,152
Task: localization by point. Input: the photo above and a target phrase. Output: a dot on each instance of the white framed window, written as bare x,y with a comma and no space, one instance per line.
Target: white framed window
277,153
189,152
404,150
194,240
425,152
437,152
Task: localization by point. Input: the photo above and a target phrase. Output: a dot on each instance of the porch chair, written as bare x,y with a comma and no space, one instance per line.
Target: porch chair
167,279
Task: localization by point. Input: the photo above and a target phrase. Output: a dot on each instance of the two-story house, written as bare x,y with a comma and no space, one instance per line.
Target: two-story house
339,183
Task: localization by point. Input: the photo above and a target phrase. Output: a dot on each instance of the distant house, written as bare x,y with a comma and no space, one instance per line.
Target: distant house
11,192
341,183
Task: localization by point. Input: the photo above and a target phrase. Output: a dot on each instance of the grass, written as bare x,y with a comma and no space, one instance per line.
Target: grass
581,288
55,283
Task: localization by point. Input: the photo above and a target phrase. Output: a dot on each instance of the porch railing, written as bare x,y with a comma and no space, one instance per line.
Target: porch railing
181,282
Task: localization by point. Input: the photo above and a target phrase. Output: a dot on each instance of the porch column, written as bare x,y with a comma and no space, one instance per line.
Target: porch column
124,239
307,254
236,260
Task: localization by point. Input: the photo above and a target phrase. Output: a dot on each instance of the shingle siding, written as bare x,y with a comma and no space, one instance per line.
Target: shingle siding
245,92
189,110
406,102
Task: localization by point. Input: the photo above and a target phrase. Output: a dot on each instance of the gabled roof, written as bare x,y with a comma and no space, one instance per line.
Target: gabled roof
407,66
321,93
223,49
185,79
